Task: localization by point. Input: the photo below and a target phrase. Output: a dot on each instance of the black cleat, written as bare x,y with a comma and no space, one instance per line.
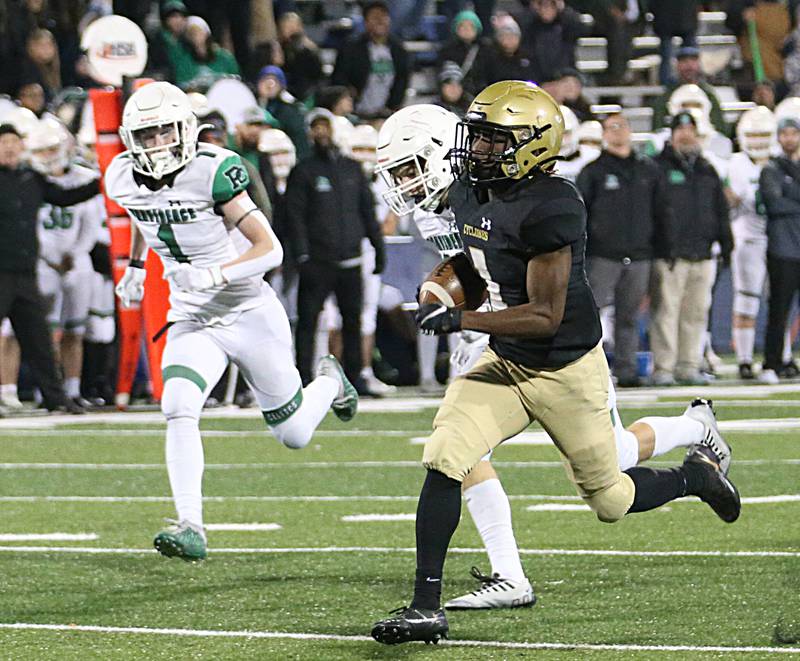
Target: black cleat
789,370
411,624
718,492
746,372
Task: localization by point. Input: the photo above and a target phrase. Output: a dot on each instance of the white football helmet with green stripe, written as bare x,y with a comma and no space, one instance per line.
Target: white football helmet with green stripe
159,129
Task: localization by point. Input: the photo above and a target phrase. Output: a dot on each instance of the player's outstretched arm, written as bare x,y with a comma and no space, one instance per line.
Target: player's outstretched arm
265,253
546,283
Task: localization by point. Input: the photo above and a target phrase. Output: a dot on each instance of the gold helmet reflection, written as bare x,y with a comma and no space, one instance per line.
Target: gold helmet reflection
521,126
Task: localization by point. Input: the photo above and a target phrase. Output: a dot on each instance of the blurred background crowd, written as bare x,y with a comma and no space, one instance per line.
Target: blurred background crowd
683,136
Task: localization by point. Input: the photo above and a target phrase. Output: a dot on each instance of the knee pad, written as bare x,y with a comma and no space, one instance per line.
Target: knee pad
181,399
295,433
448,452
613,502
746,304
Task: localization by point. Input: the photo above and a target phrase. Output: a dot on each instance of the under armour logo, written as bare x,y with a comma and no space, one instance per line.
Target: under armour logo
486,223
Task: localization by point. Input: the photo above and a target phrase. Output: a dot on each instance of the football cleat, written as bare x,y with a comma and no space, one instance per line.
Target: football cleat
718,492
789,370
702,411
183,540
495,592
768,376
11,402
411,624
345,404
746,371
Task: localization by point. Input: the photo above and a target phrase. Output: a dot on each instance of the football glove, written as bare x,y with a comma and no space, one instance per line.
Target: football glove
130,288
194,278
469,349
435,319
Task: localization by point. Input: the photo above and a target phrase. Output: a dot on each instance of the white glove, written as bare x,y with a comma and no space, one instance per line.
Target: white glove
130,288
468,350
193,278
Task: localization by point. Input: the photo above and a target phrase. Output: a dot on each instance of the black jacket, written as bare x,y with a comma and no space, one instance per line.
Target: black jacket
329,209
353,65
779,186
628,210
22,192
493,65
674,17
699,208
552,45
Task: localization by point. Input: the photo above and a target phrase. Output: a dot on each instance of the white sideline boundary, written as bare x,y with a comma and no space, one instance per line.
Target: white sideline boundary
92,550
212,633
48,537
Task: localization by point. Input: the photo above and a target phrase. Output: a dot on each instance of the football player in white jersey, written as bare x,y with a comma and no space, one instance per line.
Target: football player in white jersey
188,203
66,236
413,148
572,157
755,134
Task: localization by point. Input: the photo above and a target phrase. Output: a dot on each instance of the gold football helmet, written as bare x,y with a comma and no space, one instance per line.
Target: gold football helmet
512,128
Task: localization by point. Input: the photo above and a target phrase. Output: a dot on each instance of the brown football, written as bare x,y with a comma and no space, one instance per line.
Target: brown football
454,283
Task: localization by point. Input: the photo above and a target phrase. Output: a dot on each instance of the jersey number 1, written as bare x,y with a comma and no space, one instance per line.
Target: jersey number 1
479,260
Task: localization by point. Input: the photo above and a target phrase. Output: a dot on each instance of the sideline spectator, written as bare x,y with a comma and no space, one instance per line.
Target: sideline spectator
245,142
484,9
233,16
503,59
451,90
374,65
164,44
673,18
550,34
330,208
625,196
570,82
31,96
41,63
22,193
773,20
338,99
465,42
688,72
683,272
780,192
302,63
273,96
198,62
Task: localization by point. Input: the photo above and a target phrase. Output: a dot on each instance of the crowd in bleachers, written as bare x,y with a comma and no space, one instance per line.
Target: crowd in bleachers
652,93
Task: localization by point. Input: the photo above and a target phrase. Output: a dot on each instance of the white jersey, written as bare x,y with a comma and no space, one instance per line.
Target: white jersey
182,224
747,219
440,229
70,230
570,168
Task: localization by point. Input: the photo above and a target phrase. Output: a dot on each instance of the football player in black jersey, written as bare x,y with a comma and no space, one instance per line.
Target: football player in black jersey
524,230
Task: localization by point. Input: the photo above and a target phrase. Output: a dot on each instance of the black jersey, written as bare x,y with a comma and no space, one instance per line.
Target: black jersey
534,216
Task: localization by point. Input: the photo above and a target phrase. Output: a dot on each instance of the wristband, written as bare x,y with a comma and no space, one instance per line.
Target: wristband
136,263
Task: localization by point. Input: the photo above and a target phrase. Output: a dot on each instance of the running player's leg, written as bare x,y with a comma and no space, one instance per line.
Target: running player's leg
749,271
76,296
191,366
260,343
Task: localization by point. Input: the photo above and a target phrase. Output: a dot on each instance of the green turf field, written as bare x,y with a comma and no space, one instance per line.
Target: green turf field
692,588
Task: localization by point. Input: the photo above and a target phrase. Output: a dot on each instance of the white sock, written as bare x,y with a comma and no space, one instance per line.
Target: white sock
786,357
627,449
185,463
744,338
491,512
72,386
8,390
296,431
674,432
427,346
367,373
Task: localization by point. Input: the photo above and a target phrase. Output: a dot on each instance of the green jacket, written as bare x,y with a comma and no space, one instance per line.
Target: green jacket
292,122
187,68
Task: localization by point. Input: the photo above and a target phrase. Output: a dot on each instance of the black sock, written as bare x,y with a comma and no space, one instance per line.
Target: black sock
656,487
438,512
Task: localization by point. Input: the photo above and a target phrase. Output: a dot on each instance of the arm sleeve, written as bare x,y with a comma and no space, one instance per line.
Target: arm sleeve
771,189
297,203
66,197
230,179
553,225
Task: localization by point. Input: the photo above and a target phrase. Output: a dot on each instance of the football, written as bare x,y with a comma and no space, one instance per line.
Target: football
455,284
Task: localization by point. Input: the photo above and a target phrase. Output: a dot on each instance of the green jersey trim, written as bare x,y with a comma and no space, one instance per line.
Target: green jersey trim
183,372
230,179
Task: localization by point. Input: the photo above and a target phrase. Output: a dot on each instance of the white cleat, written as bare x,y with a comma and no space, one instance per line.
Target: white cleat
12,403
495,592
376,387
700,410
770,377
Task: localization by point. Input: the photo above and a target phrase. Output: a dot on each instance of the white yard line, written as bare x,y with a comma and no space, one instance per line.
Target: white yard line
242,527
48,537
359,518
92,550
490,644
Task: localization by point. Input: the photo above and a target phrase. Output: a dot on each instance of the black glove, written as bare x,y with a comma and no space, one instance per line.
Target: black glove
435,319
380,259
